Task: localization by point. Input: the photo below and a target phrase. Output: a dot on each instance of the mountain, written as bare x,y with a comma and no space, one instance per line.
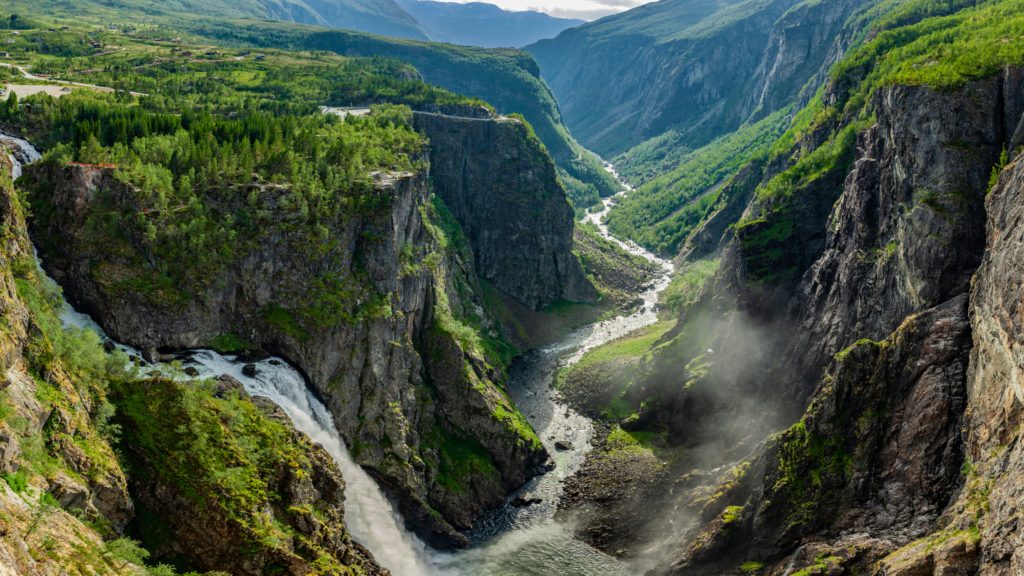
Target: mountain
833,386
486,25
689,67
689,105
383,17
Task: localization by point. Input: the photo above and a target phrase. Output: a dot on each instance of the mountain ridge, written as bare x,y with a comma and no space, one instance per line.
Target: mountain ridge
485,25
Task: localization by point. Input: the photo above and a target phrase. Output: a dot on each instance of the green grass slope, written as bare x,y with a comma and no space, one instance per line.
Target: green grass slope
376,16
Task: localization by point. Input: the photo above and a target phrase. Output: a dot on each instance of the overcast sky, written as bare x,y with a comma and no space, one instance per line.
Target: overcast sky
583,9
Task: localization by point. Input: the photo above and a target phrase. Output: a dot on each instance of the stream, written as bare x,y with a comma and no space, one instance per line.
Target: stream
509,541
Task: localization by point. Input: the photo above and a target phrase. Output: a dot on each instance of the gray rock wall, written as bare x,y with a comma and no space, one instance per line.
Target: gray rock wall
501,186
398,283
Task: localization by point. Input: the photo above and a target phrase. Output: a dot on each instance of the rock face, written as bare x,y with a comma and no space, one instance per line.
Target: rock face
686,66
861,291
804,41
984,520
501,187
217,526
385,316
908,232
57,421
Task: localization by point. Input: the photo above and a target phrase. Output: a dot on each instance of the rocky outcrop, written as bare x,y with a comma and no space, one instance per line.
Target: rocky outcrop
280,513
357,310
501,186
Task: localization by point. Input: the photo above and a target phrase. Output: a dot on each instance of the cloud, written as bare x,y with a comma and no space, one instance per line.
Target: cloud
583,14
582,9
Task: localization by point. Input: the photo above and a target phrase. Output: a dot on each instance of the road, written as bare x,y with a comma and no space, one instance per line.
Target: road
28,75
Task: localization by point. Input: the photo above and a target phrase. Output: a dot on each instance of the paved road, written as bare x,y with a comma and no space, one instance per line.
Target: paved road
31,76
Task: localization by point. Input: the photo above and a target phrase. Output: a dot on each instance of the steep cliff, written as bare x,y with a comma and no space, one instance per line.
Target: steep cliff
223,486
66,400
501,187
980,529
841,300
384,314
698,68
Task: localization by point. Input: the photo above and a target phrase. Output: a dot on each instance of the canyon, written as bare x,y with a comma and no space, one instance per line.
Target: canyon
427,338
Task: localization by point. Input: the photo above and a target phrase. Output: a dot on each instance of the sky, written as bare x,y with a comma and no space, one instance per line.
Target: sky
582,9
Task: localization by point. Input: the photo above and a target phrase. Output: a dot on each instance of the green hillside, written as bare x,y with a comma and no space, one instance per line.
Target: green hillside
376,16
627,78
509,79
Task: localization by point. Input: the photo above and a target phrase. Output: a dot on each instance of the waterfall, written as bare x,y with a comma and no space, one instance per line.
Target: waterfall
520,541
369,516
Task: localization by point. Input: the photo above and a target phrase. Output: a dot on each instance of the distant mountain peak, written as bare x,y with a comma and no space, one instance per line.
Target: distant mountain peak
482,24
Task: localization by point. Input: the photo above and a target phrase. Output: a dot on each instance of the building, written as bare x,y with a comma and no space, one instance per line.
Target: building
259,57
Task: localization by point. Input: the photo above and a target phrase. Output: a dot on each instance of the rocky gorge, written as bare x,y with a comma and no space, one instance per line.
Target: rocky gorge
408,388
859,305
377,341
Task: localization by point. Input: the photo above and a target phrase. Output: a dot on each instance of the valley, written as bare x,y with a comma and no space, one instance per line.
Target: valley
284,298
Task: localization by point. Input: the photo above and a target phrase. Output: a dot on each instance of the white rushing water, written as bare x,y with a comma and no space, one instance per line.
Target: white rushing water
369,516
510,541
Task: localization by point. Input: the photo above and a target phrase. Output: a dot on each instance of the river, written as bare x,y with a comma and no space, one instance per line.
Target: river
510,541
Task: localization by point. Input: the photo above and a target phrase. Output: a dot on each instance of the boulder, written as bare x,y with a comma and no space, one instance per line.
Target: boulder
525,500
253,355
271,410
9,451
226,384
